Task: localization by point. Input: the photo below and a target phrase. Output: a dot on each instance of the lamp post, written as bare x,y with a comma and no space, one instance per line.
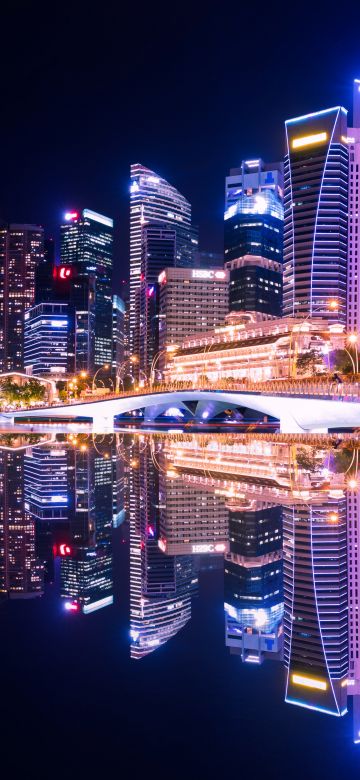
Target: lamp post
170,349
105,367
332,305
353,339
133,360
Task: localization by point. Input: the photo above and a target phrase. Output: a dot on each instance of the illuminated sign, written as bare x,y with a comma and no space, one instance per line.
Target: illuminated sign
309,682
62,272
208,548
308,140
162,545
162,277
64,550
70,215
71,606
95,217
202,273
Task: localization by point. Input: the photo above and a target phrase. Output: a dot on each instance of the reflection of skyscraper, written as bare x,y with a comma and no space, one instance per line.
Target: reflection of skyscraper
160,585
154,200
353,562
315,618
21,573
253,584
86,572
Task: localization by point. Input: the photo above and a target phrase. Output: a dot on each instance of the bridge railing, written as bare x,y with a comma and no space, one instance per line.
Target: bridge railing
313,388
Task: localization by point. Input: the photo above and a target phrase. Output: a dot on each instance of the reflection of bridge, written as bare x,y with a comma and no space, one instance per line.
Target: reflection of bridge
295,414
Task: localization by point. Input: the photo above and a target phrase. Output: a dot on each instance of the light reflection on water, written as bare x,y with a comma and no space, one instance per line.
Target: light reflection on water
279,518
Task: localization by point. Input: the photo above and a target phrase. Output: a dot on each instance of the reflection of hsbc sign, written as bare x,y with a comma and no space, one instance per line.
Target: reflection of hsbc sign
208,548
201,273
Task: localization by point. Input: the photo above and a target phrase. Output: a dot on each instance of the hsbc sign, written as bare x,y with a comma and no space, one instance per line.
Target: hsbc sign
202,273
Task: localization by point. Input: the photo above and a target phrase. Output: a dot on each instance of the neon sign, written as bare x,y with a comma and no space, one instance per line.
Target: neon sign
202,273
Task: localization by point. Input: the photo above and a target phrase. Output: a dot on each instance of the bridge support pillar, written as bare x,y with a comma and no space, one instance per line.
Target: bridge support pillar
103,424
289,425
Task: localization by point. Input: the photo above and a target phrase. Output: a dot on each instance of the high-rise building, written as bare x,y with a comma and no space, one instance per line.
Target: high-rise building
353,258
21,250
353,568
316,214
86,244
191,301
118,327
47,334
254,236
154,200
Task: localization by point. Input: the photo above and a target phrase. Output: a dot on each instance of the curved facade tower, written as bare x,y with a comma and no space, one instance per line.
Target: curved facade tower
316,204
153,201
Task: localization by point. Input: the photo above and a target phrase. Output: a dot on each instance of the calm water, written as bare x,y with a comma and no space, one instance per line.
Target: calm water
178,604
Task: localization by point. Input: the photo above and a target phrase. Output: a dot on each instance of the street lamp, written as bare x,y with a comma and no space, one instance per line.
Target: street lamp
332,305
353,339
170,349
133,360
105,367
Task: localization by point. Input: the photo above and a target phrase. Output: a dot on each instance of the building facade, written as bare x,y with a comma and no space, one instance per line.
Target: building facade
154,200
253,236
353,258
47,333
87,245
21,250
316,214
191,301
118,327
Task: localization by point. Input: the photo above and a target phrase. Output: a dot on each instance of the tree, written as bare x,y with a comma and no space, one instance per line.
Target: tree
308,362
342,361
27,393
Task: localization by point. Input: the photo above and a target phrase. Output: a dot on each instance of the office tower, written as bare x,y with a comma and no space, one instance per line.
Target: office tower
253,236
253,584
118,326
44,281
47,334
21,573
158,251
87,245
353,565
21,250
47,482
87,570
153,199
353,258
191,301
316,218
316,605
203,259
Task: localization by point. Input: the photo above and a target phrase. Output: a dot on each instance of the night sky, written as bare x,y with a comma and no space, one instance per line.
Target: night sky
188,91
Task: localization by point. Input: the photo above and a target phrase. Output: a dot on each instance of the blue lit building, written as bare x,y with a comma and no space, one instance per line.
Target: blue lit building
316,214
118,326
253,236
87,246
47,334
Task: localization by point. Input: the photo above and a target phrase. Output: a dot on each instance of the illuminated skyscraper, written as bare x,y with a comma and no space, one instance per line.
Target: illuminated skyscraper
154,200
353,563
118,326
254,236
316,606
316,214
353,286
21,250
86,244
47,338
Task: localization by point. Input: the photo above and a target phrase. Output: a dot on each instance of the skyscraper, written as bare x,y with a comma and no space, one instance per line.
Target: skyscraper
86,243
47,339
254,236
154,200
118,327
353,258
21,250
316,221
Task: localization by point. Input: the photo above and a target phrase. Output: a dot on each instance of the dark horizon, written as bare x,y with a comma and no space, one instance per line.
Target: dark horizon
186,96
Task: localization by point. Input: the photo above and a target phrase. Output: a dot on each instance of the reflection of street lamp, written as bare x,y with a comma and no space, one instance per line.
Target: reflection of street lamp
133,360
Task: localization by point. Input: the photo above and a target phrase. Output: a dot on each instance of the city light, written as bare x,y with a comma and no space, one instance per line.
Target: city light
71,606
308,140
70,215
309,682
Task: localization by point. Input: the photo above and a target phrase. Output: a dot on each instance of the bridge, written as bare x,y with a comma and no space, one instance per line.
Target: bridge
296,415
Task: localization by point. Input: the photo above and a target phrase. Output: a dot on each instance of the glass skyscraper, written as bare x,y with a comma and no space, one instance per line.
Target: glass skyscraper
87,244
154,200
316,214
21,251
254,236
